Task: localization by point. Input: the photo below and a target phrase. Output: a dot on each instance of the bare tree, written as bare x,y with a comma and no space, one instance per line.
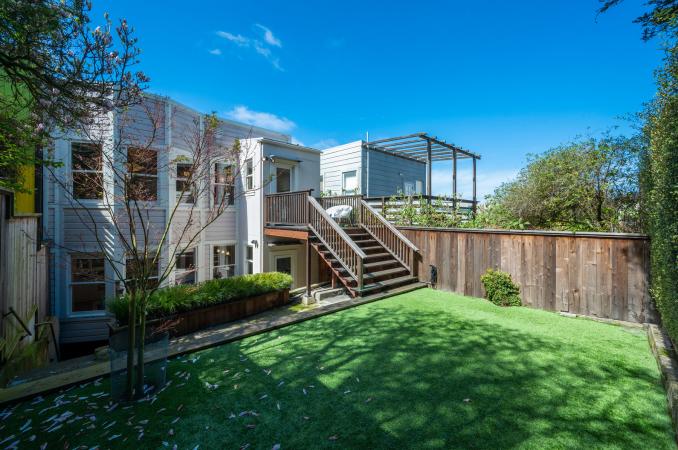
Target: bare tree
121,170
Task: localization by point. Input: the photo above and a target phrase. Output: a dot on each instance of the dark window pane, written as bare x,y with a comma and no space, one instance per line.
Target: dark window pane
283,264
186,261
142,160
143,188
184,170
86,156
184,192
250,267
250,252
88,297
87,269
282,180
88,186
185,278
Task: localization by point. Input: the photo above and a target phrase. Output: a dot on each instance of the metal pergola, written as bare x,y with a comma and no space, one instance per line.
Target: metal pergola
427,149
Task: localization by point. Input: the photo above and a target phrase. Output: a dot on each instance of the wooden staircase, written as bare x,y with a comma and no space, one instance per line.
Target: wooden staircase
382,271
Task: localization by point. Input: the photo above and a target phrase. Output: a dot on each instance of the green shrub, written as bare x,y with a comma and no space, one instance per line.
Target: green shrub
500,288
176,299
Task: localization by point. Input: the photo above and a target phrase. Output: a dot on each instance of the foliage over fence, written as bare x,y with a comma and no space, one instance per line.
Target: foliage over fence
659,187
171,300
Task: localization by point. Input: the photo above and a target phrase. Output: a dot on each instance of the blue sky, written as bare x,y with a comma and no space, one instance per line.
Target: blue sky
501,78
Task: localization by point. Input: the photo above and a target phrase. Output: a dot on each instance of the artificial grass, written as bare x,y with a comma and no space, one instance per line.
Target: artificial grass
421,370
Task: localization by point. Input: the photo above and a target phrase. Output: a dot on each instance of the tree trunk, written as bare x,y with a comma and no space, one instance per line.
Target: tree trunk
140,353
131,344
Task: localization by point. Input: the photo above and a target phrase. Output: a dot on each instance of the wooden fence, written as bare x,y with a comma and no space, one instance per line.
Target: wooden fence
23,275
595,274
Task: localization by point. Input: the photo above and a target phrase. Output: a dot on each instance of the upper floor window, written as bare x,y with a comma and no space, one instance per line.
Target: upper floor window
349,182
283,179
249,175
224,261
87,171
223,184
88,282
183,187
142,165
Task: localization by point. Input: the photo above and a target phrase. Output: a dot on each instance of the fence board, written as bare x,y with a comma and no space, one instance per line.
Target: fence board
596,274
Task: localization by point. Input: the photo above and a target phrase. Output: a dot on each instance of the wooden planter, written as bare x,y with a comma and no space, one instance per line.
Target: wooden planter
199,319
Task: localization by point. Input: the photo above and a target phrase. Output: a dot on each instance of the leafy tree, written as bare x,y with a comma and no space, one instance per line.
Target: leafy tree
590,184
659,163
57,71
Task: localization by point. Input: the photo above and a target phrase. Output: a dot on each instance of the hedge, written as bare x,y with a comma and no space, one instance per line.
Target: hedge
659,193
175,299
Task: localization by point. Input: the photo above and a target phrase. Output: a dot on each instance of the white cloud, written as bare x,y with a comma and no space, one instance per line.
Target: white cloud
215,51
236,38
260,47
325,143
271,121
269,37
297,141
486,181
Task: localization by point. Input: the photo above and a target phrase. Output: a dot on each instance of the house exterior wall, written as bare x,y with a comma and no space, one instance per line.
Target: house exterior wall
379,173
67,225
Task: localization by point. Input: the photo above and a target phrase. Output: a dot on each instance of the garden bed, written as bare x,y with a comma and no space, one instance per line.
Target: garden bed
214,302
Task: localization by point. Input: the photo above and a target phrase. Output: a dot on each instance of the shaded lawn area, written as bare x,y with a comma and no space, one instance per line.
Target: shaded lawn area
425,369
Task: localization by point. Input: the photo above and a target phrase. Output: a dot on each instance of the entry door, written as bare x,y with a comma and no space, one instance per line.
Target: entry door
283,179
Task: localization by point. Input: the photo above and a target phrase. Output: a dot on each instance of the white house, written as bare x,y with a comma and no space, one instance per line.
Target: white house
78,219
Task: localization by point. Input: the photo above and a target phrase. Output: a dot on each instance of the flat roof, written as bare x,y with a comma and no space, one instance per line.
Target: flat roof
417,145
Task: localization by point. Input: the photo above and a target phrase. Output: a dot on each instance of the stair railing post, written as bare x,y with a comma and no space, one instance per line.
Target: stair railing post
360,275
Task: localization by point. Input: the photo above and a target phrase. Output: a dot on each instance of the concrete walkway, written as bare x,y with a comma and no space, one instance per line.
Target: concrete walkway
79,370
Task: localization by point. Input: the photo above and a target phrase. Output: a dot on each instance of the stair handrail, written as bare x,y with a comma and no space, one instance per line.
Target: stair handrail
337,242
388,236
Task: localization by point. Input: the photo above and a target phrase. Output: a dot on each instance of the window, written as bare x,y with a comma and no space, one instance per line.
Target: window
87,171
184,188
142,165
223,265
322,184
249,175
283,179
283,264
223,184
250,259
419,187
88,283
184,268
132,269
409,188
349,182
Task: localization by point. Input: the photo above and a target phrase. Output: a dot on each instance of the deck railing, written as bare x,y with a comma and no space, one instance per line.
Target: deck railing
389,206
393,240
287,208
337,242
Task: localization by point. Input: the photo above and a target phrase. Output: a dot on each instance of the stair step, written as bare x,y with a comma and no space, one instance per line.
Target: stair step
387,284
371,277
381,264
378,256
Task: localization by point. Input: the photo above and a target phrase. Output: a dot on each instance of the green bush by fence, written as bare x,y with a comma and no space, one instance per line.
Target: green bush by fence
500,288
174,299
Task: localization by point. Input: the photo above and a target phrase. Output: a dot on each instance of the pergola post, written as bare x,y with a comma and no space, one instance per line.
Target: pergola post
428,170
454,179
475,201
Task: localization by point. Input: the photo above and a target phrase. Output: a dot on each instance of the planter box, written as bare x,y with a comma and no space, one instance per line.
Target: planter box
199,319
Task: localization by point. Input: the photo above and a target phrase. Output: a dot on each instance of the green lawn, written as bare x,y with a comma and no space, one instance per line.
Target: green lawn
422,370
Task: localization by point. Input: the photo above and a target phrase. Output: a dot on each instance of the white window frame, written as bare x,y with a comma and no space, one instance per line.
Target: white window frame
234,265
71,283
249,175
345,191
409,188
228,188
74,171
